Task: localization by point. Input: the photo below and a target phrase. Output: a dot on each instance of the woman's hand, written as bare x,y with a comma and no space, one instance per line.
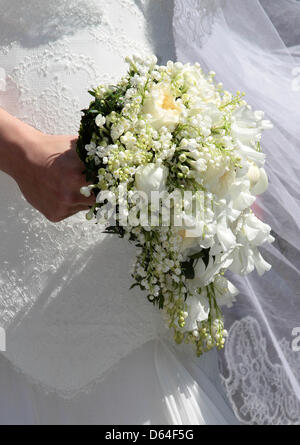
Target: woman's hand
51,177
46,168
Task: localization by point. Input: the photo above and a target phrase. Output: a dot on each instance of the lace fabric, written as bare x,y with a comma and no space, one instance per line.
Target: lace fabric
197,19
255,384
64,289
44,45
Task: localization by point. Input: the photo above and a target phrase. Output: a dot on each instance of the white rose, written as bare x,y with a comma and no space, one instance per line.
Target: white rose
150,178
162,108
224,184
215,177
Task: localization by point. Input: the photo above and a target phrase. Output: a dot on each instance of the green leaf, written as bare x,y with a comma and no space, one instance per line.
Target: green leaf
188,269
134,285
203,254
112,230
161,301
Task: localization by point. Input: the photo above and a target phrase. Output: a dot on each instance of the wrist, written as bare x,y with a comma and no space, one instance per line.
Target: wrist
17,140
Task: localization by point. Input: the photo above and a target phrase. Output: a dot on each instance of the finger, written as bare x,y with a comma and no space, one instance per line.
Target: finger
83,201
76,210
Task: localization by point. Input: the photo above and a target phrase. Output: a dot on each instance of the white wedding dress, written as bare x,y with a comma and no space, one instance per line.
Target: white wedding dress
80,347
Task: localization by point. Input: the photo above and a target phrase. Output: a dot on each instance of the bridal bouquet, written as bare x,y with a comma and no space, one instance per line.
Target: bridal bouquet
175,163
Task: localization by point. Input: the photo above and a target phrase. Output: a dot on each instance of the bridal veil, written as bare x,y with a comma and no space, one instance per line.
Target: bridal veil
243,41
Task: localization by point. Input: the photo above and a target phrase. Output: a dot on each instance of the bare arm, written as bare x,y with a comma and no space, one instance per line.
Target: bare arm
46,168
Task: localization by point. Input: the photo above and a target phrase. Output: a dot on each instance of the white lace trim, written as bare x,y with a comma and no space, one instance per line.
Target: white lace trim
258,388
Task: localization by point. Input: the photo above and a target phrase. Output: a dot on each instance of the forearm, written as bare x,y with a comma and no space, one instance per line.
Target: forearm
46,168
15,139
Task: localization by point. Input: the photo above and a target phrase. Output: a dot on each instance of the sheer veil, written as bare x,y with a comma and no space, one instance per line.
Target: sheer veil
252,46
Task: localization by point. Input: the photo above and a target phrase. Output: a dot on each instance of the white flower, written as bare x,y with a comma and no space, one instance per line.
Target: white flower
91,148
207,110
247,125
117,130
216,178
241,197
252,232
224,184
129,140
162,108
150,178
86,191
213,161
246,259
248,153
225,291
199,89
258,179
204,275
198,310
100,120
200,164
224,233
